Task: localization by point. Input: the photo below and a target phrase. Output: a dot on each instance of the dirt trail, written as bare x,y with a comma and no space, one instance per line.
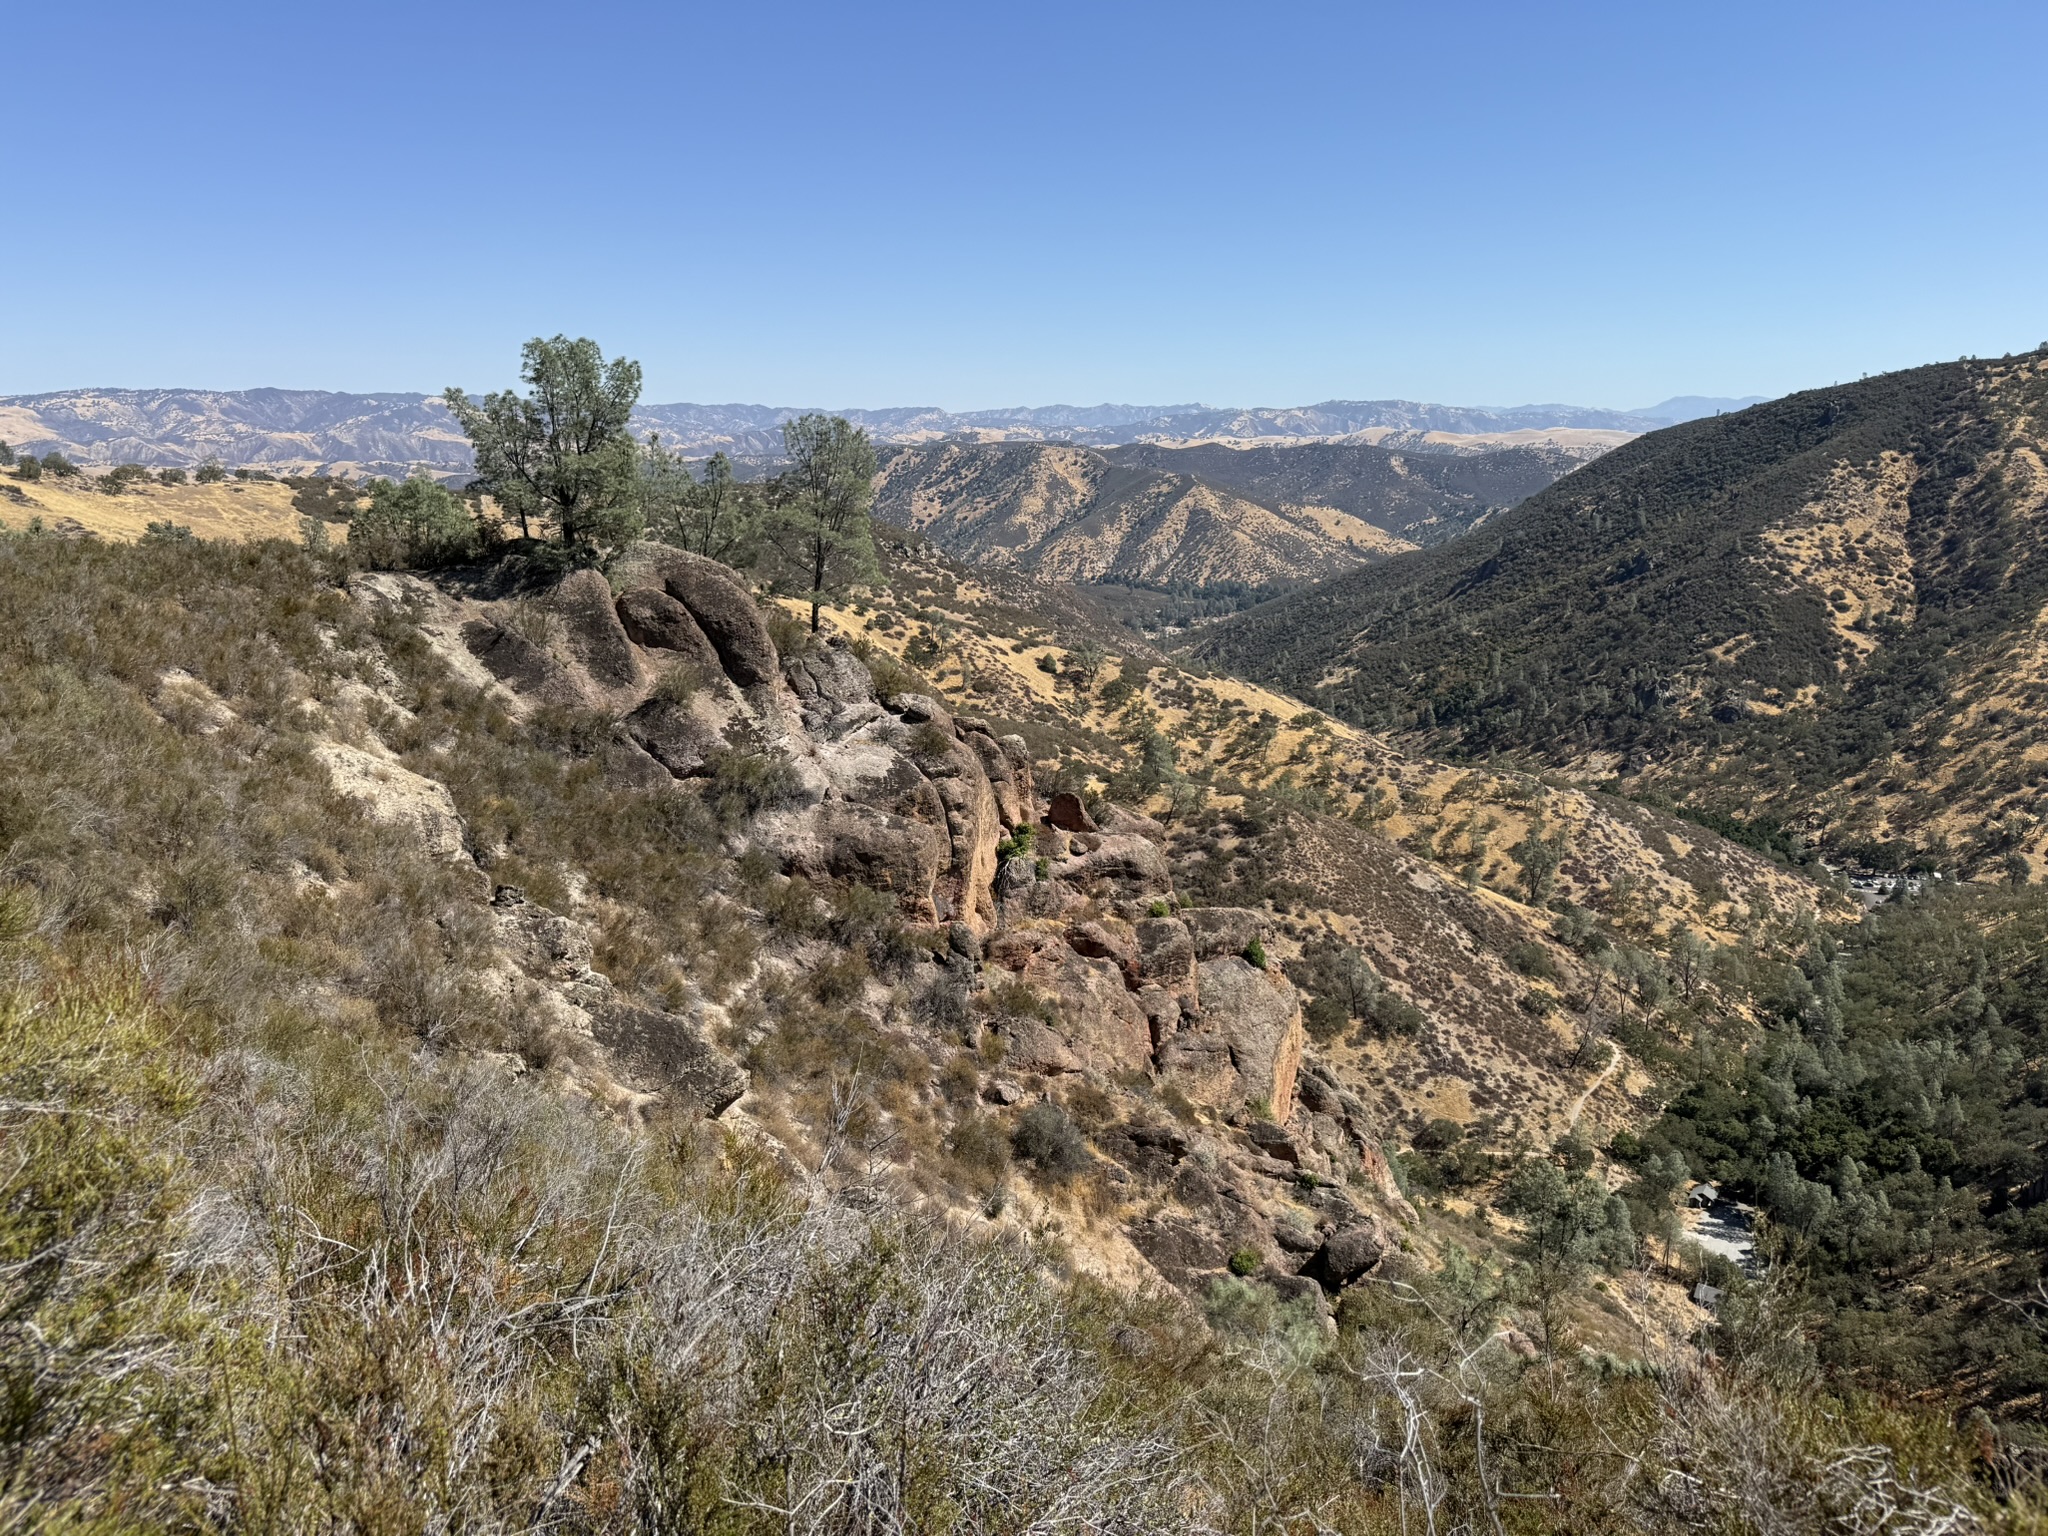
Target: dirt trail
1613,1060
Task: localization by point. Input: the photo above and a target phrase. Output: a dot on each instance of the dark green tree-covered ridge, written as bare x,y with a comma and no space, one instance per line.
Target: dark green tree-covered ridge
1635,608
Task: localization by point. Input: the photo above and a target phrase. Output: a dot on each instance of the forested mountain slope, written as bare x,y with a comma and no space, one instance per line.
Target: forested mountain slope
1826,610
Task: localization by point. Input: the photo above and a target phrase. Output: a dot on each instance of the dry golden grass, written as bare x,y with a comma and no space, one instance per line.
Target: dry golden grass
231,509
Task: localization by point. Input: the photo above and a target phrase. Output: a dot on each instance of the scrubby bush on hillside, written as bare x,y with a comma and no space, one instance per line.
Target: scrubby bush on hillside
417,524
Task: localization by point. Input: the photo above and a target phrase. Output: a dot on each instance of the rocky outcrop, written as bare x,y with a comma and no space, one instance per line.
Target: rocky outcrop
1244,1048
721,605
1099,1025
675,737
655,621
592,632
669,1050
395,795
1071,961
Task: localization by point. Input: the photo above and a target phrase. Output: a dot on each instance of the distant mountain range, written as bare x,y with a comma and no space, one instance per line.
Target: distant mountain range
395,433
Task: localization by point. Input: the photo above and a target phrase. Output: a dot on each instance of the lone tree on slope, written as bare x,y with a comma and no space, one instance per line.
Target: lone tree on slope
561,455
820,527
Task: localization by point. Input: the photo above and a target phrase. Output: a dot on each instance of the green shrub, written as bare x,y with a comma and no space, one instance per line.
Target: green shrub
1531,958
420,524
210,472
1245,1261
1255,953
1325,1019
121,477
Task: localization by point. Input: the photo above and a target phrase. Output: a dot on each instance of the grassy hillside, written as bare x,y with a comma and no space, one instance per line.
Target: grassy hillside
1421,498
360,1168
1824,611
1069,514
227,509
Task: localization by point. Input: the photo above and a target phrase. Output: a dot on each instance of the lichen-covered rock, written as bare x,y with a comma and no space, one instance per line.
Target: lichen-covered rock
396,796
1011,790
1015,878
1245,1048
1166,957
1032,1045
1100,1023
1180,1249
882,851
1120,821
833,689
1106,939
1162,1012
591,627
972,821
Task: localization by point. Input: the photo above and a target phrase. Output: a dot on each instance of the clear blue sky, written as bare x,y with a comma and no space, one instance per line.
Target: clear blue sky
983,205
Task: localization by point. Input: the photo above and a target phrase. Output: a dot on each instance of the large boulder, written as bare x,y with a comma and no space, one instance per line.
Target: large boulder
670,1053
882,851
1119,869
1010,787
674,737
833,689
1347,1253
1100,1023
1186,1252
596,638
395,796
968,810
1245,1048
718,600
653,619
1068,813
1166,957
